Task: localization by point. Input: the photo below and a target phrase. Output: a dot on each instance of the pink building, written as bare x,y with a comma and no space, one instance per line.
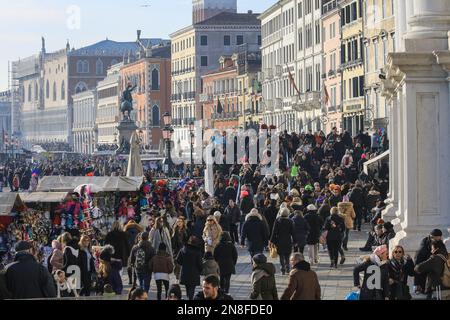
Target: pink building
331,56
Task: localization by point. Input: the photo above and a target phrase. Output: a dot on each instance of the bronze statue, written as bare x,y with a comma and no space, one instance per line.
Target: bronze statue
127,101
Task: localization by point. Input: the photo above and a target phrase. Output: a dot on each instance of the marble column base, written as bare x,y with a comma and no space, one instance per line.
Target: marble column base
390,212
409,239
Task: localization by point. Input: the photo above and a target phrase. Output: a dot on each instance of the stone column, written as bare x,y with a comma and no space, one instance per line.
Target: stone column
422,88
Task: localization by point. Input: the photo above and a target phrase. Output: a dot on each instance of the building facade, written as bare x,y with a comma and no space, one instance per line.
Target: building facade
151,98
196,50
352,66
84,116
292,54
108,113
5,117
205,9
331,57
49,80
379,41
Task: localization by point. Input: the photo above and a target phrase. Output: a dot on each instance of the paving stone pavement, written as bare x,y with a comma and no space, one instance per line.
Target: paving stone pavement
335,283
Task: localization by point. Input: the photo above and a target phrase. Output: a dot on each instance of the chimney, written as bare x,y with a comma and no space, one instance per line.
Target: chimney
139,34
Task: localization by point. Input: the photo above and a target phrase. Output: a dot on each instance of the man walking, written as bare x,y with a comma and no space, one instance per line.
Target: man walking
26,278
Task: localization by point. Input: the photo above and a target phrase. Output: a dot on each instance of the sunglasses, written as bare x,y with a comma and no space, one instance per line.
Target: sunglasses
398,251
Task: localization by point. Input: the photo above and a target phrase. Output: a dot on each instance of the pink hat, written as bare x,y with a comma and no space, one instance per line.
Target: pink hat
380,250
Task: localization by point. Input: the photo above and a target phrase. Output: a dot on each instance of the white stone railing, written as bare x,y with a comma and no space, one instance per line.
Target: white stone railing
375,161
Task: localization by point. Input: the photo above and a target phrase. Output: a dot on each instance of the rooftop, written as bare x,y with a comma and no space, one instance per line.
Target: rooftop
113,48
230,18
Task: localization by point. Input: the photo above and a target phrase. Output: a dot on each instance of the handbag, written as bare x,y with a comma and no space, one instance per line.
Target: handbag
273,252
323,237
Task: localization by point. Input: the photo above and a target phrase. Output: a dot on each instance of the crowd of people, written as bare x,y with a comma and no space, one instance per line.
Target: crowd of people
320,197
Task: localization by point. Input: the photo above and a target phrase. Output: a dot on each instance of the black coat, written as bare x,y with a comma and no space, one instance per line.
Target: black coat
190,260
315,223
283,235
119,240
424,250
179,240
225,222
246,205
256,234
70,258
83,264
226,256
270,213
334,233
27,279
372,294
358,199
149,252
233,213
230,193
399,273
301,229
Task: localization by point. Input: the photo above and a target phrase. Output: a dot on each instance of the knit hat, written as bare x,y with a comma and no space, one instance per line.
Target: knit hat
175,291
380,250
311,207
309,188
259,259
217,215
23,246
244,194
107,253
434,233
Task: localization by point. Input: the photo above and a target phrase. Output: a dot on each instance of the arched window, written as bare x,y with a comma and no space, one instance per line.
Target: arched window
63,91
29,92
47,90
80,87
80,66
36,91
99,67
155,116
155,79
54,91
85,66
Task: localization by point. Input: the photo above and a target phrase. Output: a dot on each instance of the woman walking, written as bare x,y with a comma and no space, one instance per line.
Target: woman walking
179,239
312,240
283,237
190,260
400,267
86,264
161,234
226,256
211,233
334,226
162,266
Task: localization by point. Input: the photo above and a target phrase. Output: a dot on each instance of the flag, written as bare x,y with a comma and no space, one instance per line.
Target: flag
326,96
291,79
219,106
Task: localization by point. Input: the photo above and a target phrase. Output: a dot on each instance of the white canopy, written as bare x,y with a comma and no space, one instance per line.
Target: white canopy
7,202
105,184
43,197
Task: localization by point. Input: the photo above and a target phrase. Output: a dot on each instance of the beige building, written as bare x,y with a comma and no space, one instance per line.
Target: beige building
84,129
108,113
379,41
196,50
352,66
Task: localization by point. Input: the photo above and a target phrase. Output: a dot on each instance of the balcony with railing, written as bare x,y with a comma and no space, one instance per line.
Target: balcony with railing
226,115
278,70
205,97
268,73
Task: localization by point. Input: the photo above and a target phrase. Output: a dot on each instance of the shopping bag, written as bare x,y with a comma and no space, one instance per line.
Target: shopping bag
323,237
273,252
354,295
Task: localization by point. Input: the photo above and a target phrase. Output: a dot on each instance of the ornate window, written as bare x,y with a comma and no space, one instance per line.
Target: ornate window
29,92
155,79
99,67
155,116
80,87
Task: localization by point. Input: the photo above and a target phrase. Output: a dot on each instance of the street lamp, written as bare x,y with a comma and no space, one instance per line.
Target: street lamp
167,132
192,141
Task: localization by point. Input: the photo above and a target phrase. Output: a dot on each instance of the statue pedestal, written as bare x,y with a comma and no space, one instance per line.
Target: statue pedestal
126,129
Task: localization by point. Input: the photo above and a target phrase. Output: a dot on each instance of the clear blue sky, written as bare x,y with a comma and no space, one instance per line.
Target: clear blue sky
23,22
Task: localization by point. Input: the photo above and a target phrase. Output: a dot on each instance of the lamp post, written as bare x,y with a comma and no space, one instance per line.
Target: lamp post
167,136
192,141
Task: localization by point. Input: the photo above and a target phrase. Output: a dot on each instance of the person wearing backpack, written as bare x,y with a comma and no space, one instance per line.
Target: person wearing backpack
436,269
141,254
162,266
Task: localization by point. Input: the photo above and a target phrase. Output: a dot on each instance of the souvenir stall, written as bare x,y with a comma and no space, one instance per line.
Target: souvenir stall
94,203
11,207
